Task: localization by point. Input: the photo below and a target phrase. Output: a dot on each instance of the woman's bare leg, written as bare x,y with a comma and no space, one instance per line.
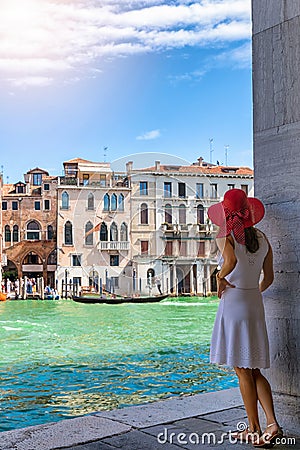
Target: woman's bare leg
249,394
265,398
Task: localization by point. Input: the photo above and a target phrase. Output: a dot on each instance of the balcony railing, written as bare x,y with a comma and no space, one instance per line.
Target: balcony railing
113,245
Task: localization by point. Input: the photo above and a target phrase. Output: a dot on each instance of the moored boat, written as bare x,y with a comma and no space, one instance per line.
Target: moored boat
118,300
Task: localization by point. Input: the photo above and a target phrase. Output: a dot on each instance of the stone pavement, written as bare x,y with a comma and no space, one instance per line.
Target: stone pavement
187,422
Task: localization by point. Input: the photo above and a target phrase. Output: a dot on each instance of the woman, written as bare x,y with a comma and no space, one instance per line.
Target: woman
239,336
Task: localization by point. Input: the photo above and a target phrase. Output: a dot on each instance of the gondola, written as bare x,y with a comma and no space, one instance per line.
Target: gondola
118,300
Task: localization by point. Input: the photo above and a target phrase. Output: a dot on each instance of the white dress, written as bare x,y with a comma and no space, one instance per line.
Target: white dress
239,335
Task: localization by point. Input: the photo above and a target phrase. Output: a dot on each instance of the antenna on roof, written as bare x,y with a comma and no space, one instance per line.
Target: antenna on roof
105,153
226,154
211,140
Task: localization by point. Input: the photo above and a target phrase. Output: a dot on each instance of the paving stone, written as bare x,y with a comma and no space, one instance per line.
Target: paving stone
137,440
65,433
91,446
175,408
227,415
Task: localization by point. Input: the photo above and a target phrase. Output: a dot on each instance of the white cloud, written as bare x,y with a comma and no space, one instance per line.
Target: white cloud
43,37
149,135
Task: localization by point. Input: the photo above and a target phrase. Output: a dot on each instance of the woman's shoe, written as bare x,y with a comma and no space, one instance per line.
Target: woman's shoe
246,435
268,440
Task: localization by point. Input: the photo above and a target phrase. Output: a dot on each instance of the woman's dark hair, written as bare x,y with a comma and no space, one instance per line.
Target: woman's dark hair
251,239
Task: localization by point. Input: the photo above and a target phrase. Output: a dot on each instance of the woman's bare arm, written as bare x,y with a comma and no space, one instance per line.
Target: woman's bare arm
267,271
226,248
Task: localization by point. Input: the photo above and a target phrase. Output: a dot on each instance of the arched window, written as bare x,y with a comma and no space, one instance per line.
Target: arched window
91,201
52,258
113,204
103,232
65,200
168,213
200,214
7,233
33,231
106,202
68,233
113,232
49,232
144,214
150,277
124,232
182,214
89,233
15,233
94,280
121,202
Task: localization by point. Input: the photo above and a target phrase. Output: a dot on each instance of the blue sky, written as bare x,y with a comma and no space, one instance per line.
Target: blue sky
134,76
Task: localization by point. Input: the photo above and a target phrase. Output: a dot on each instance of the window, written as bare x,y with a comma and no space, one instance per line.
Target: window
244,187
143,188
230,186
144,247
86,178
144,214
106,202
20,189
123,232
46,205
33,231
46,187
52,258
89,233
91,202
68,233
168,214
182,248
15,233
113,232
77,281
114,260
65,200
181,190
49,232
76,260
115,282
200,214
37,179
201,248
121,202
199,190
214,191
103,180
169,248
113,205
37,206
167,189
103,232
32,258
182,214
7,233
4,206
14,206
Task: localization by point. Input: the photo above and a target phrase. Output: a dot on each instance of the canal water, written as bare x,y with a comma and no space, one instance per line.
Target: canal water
61,359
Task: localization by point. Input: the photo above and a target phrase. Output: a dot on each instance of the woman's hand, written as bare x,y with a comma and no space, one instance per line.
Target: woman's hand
222,284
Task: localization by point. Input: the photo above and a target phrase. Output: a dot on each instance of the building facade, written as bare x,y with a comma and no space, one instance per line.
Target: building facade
139,232
93,224
172,238
29,213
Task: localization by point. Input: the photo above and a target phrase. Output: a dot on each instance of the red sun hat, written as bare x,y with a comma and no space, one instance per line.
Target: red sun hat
235,213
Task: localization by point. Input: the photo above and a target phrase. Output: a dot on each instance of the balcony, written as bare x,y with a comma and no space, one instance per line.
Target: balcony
113,245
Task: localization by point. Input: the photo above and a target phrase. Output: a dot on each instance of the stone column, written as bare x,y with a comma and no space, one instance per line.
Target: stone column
276,97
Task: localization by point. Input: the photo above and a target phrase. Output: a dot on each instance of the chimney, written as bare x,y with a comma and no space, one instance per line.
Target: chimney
200,161
157,165
129,166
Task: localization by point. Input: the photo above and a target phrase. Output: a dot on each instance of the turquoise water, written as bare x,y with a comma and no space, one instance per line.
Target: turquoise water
62,359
